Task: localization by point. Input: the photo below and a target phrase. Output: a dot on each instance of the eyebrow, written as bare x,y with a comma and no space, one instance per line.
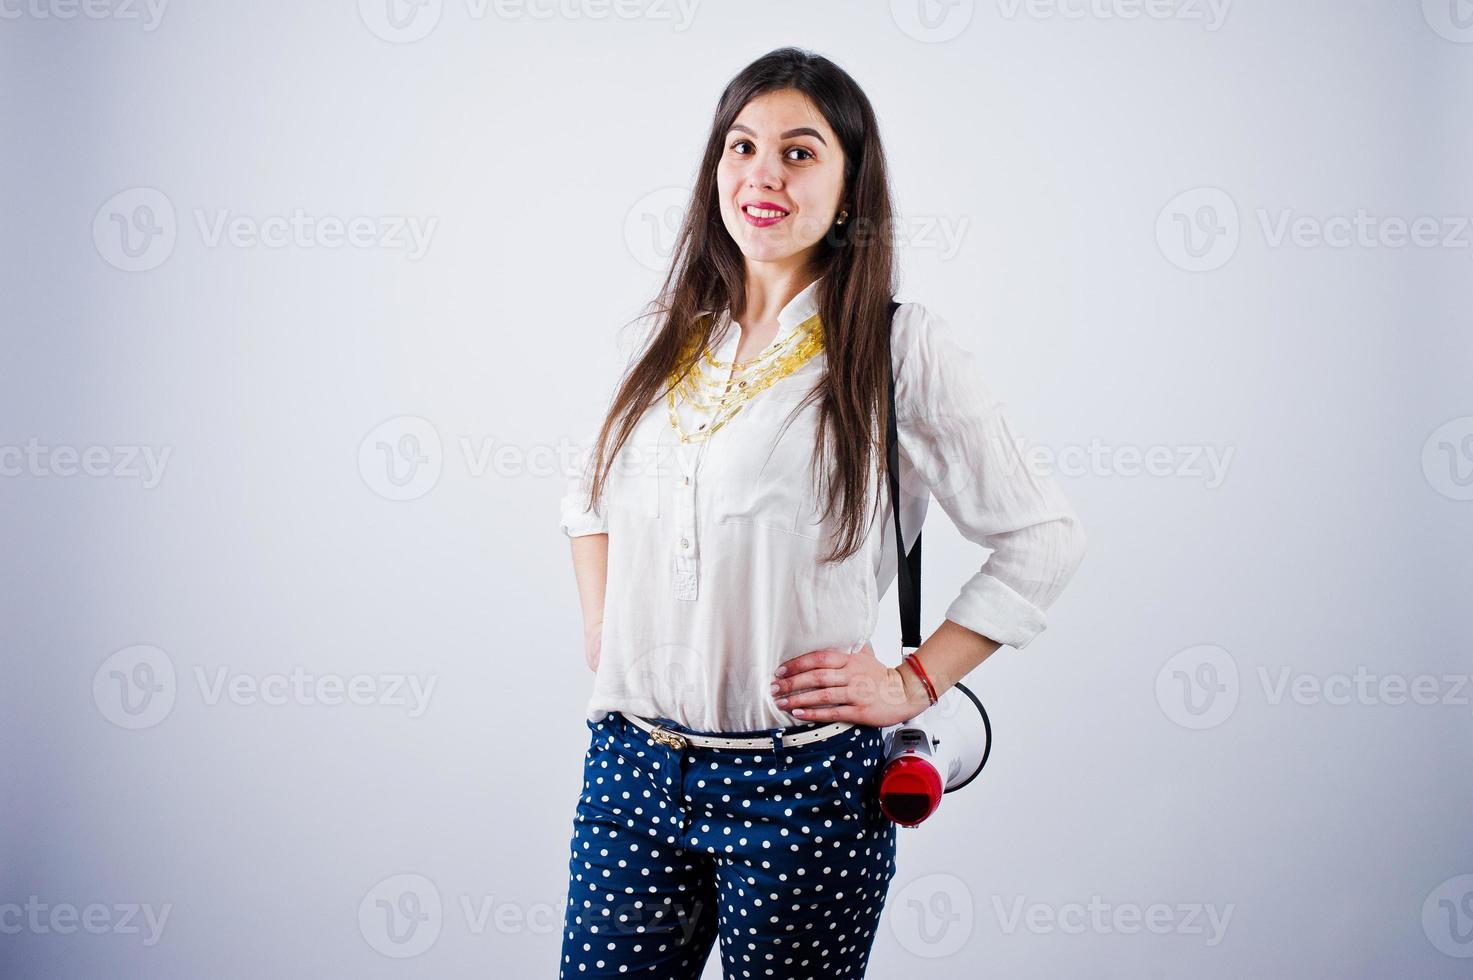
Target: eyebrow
800,131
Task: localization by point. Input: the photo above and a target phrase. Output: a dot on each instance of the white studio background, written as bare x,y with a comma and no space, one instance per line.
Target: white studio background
1216,258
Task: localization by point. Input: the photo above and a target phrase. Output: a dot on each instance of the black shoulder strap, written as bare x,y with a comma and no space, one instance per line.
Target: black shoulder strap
907,567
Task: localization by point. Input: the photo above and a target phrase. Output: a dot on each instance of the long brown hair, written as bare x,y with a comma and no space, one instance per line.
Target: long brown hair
855,260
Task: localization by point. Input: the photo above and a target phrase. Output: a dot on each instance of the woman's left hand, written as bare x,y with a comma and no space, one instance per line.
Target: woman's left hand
835,685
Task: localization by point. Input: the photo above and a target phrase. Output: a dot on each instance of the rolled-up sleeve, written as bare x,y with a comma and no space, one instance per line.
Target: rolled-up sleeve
578,516
956,436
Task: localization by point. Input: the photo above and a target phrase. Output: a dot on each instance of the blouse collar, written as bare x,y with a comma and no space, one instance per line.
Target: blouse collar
799,308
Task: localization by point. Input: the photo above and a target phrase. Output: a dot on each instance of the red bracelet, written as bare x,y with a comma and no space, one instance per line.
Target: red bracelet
915,665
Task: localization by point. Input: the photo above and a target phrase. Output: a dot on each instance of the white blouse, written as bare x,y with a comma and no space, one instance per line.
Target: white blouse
713,578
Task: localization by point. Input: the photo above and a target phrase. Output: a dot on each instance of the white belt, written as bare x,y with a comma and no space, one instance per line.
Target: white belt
680,740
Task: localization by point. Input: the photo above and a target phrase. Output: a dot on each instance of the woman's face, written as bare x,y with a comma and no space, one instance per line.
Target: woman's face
782,154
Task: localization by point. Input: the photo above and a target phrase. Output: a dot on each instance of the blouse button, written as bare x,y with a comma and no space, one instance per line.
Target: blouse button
685,542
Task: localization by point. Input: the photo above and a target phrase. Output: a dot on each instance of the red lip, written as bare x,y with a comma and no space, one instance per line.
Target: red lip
766,205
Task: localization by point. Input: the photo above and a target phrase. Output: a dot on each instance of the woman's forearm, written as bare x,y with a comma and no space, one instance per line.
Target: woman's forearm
947,656
591,569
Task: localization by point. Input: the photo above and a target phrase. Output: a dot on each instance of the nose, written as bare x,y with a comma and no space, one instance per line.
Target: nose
765,172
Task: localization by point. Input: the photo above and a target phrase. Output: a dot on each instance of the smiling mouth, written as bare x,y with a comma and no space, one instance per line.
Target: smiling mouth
762,217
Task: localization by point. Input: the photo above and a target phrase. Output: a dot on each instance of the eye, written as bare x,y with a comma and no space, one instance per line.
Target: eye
807,153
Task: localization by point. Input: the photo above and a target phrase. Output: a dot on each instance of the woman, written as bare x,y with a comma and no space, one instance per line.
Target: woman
730,580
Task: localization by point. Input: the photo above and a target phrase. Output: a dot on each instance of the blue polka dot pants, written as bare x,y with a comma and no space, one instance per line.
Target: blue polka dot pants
783,854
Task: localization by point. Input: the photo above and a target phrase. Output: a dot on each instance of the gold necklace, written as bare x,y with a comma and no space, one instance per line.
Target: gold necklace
707,394
731,400
772,349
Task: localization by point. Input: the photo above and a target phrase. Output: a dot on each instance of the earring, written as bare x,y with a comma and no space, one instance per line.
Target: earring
842,216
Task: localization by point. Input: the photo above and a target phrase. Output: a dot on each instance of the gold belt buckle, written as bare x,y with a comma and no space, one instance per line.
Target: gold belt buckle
666,737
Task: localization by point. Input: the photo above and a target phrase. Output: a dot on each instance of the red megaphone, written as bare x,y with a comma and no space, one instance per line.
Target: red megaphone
939,750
